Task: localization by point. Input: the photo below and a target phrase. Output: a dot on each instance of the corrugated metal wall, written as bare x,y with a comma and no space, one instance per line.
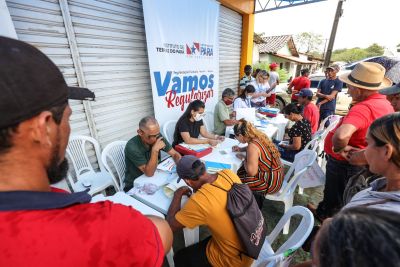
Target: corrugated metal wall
40,23
112,47
230,44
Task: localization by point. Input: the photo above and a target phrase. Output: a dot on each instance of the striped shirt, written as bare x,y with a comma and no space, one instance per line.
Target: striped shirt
269,177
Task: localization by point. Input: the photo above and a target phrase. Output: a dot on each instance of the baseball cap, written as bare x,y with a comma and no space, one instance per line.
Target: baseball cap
334,67
392,90
189,167
273,65
30,83
305,92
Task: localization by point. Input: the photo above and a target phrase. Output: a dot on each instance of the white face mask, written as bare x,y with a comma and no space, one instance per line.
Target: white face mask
249,97
198,117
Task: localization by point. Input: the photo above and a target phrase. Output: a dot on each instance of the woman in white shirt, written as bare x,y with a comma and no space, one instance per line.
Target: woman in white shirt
262,89
244,100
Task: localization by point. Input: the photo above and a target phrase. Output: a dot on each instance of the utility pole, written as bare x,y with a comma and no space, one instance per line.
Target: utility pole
339,12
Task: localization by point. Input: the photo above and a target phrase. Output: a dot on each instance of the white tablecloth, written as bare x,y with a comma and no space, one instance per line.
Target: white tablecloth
159,201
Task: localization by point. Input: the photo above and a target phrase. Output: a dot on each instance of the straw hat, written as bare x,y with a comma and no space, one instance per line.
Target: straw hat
368,76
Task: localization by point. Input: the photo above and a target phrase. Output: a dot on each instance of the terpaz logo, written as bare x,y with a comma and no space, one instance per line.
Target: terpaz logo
197,49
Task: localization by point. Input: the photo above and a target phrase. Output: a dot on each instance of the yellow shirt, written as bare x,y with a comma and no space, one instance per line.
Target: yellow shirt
208,207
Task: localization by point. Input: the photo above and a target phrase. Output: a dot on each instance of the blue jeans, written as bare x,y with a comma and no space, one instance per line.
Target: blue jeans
286,154
325,113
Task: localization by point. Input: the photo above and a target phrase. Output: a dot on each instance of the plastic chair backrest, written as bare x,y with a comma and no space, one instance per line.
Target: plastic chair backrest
168,130
208,121
299,236
267,256
77,153
302,161
315,141
333,119
114,153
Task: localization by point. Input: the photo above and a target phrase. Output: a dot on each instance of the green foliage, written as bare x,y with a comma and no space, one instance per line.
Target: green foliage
283,74
356,53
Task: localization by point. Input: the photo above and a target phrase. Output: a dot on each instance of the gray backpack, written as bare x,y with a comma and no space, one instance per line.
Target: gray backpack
246,217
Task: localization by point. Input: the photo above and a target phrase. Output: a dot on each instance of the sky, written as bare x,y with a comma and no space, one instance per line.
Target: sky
363,22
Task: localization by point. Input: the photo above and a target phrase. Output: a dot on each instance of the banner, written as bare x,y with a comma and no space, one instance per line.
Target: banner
182,45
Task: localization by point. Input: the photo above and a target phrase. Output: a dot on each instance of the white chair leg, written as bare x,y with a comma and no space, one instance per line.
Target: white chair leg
191,236
170,258
288,204
301,190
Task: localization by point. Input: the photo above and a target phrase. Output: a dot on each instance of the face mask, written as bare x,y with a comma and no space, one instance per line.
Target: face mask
249,97
198,117
228,102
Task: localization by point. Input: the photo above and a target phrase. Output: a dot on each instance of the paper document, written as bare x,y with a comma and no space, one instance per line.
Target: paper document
167,165
195,147
214,167
249,114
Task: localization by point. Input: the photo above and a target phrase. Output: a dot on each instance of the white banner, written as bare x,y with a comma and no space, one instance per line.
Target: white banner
182,44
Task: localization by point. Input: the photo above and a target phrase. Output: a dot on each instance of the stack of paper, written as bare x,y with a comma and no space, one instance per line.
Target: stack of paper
167,165
195,147
214,167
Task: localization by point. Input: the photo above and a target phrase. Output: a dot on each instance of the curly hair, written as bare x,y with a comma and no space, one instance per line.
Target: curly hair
247,129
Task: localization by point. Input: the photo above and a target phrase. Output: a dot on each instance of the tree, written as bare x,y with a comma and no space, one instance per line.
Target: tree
308,42
357,53
398,48
375,50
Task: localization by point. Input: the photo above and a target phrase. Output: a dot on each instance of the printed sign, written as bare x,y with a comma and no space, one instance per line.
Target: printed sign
182,44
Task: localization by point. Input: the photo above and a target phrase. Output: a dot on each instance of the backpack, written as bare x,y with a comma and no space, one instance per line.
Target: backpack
357,183
246,217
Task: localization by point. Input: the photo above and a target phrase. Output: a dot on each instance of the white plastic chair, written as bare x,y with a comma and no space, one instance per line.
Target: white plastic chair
86,176
114,153
269,257
208,121
168,130
302,161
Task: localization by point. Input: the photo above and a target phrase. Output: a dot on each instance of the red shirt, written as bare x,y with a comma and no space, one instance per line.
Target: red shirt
299,83
311,113
89,234
361,115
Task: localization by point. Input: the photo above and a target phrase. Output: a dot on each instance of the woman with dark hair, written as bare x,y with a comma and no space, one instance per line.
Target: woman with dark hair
366,237
383,157
244,99
299,134
190,126
262,168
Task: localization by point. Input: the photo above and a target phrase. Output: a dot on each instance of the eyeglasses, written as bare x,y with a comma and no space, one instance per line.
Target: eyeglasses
150,136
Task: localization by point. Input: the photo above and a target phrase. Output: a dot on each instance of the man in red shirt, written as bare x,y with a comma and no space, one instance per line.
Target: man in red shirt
363,83
299,83
40,226
310,110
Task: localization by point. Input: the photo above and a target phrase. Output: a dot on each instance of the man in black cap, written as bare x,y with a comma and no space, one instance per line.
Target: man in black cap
207,206
392,95
40,225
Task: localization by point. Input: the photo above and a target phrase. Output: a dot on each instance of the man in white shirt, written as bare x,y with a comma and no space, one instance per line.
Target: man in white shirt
273,82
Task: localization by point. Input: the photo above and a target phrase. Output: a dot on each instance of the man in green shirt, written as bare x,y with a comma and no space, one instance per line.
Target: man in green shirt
142,152
222,112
